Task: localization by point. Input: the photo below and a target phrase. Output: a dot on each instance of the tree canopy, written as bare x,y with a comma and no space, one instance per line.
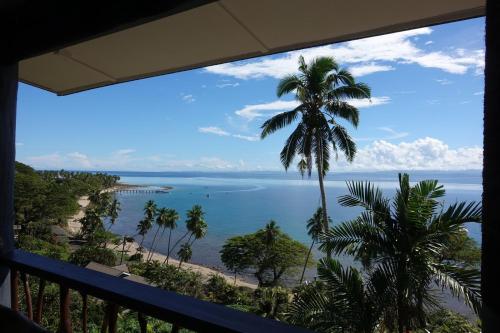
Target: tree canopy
269,253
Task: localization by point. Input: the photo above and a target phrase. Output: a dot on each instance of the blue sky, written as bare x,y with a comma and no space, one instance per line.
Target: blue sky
425,112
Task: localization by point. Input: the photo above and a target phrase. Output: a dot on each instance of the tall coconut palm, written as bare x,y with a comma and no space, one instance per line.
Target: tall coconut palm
323,91
150,210
195,226
147,222
171,224
113,212
161,220
403,241
185,253
314,230
195,222
142,229
271,231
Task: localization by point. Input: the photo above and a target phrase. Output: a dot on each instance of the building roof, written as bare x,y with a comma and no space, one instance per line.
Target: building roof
117,271
227,30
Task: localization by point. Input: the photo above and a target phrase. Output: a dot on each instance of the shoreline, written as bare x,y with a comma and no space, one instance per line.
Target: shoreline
74,227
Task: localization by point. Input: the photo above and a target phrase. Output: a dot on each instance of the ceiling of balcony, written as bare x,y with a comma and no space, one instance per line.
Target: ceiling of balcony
229,30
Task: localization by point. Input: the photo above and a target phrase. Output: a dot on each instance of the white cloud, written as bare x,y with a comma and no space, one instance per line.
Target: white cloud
479,93
220,132
19,144
225,85
253,111
444,82
188,98
362,70
213,130
369,54
429,42
74,160
367,103
422,154
247,137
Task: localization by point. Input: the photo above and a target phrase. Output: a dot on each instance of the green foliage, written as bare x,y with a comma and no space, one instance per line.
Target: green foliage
43,247
88,253
269,252
170,278
402,244
236,255
341,301
446,321
185,253
272,302
52,195
218,290
463,250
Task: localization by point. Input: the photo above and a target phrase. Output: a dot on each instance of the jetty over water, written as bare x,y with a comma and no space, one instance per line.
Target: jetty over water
142,191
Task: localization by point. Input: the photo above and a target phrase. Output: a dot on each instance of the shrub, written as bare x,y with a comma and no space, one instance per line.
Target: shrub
86,254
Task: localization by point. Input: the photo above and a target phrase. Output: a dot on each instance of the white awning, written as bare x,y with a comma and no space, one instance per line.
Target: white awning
230,30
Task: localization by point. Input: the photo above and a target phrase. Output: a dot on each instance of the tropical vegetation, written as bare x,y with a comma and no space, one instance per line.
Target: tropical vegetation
268,253
323,91
399,244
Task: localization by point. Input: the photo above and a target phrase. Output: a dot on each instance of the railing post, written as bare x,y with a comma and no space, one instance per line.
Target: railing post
143,323
112,310
64,311
84,312
14,296
39,301
8,103
27,295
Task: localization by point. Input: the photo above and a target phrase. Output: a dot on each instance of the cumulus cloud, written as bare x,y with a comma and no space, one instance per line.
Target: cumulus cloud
253,111
213,130
422,154
364,56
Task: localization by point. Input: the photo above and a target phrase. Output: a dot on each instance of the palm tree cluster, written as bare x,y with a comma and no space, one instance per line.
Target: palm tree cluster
166,218
323,91
399,245
102,207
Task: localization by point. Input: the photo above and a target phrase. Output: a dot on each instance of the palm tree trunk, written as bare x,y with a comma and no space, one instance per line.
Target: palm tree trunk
322,190
168,245
177,243
150,254
305,264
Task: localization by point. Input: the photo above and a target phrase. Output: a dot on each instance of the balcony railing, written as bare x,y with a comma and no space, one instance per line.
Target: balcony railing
179,310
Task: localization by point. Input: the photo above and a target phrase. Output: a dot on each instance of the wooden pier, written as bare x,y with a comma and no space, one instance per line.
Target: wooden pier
141,191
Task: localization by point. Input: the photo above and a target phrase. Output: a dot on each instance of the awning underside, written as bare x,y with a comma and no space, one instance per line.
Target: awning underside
230,30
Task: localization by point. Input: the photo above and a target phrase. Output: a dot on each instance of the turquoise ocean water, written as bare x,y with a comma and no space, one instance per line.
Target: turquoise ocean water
239,203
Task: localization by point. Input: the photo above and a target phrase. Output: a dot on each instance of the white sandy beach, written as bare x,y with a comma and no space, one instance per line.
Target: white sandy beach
74,227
